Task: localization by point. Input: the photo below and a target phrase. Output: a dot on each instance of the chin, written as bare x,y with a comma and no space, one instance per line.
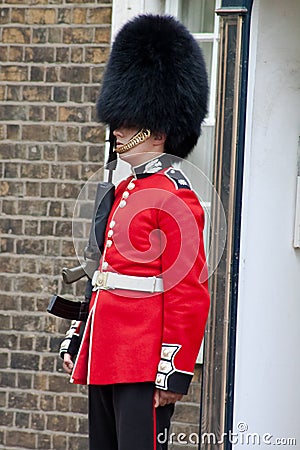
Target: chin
125,157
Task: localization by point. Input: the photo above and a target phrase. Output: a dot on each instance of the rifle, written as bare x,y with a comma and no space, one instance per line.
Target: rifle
105,194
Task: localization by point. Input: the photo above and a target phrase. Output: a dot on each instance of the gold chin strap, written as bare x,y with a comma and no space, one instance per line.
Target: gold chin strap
137,139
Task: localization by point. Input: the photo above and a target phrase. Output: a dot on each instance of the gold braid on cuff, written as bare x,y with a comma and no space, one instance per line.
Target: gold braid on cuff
137,139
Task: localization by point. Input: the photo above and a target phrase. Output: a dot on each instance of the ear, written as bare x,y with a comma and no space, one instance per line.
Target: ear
159,138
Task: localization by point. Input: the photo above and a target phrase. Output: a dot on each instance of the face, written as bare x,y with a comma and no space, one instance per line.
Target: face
142,152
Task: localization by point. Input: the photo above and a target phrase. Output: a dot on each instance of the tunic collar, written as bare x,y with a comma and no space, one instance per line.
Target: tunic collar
152,166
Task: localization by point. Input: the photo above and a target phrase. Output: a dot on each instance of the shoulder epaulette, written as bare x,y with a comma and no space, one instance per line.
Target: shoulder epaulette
177,177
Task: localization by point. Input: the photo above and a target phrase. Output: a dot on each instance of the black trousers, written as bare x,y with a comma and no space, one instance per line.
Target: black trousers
122,417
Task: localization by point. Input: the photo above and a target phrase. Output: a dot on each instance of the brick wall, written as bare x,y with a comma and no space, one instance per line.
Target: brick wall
52,55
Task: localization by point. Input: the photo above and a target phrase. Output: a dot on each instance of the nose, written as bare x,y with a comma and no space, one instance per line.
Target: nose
118,132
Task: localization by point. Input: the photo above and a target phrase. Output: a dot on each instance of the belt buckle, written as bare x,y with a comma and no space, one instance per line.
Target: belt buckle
101,280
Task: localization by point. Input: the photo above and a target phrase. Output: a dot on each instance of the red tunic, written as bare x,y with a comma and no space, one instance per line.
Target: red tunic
155,228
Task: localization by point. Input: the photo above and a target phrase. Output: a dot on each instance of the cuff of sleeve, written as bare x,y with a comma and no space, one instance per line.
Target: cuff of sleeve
178,382
69,345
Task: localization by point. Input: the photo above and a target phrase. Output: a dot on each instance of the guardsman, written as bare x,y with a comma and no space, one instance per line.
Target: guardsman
150,296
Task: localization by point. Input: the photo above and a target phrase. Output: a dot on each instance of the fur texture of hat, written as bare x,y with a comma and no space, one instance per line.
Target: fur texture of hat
156,78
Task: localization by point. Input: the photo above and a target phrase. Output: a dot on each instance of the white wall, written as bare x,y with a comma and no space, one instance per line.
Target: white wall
267,385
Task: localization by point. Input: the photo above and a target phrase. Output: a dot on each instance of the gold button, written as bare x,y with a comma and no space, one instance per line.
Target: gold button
131,186
166,352
162,366
112,224
122,203
158,380
109,243
125,194
110,233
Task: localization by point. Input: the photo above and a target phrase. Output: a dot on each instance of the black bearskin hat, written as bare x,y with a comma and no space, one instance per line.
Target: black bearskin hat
156,78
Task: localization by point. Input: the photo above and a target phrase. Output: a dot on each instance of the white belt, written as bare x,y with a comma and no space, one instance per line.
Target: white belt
111,280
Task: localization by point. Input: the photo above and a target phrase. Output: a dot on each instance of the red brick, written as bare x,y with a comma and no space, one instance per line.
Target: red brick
83,425
23,400
37,93
63,403
5,321
16,35
75,74
31,229
38,421
64,15
39,54
46,402
11,170
51,113
76,95
2,93
97,55
41,16
78,443
60,442
60,383
26,343
11,112
18,15
36,208
102,35
27,323
8,341
13,132
4,361
23,439
39,36
35,113
77,55
6,418
24,380
54,35
37,73
4,54
40,382
62,55
44,441
49,152
13,73
2,405
12,150
4,15
10,264
97,74
93,134
52,74
15,54
79,405
73,134
79,15
77,35
48,363
22,420
72,114
99,15
71,153
36,133
9,302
